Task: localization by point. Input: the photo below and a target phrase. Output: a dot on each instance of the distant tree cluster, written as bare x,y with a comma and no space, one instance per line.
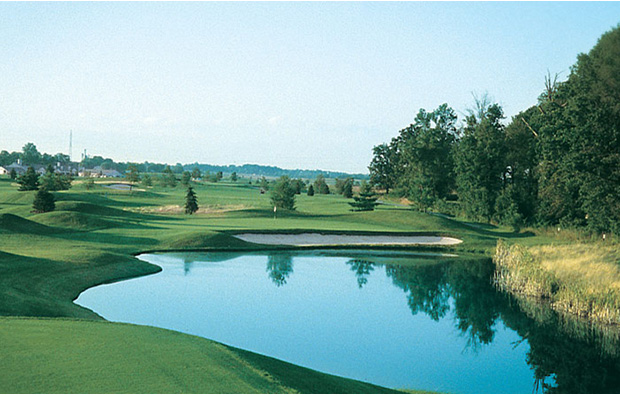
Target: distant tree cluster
30,155
344,187
557,162
167,178
320,185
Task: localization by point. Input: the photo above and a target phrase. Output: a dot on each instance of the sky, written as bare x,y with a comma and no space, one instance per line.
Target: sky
308,85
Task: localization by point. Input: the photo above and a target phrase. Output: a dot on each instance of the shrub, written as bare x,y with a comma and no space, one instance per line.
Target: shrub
43,202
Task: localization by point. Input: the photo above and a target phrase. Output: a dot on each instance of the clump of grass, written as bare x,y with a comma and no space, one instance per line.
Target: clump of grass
519,272
578,279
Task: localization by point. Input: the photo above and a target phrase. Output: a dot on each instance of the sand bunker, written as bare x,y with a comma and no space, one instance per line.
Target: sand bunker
317,239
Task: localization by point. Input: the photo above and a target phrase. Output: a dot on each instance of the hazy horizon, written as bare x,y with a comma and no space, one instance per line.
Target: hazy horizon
292,85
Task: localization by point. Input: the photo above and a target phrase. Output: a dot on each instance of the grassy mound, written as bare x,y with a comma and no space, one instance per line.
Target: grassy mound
74,220
191,240
67,356
90,208
10,223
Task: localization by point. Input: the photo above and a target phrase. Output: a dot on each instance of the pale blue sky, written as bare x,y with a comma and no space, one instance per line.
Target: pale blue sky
295,85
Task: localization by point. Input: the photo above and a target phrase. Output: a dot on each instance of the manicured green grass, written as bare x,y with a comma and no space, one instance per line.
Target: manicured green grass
67,356
46,260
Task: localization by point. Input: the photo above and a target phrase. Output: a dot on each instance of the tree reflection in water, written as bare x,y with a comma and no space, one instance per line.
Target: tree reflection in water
362,269
279,267
566,356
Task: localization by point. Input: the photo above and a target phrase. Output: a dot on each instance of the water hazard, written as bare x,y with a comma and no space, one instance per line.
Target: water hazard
390,318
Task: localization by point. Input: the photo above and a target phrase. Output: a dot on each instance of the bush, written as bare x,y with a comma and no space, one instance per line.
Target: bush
43,202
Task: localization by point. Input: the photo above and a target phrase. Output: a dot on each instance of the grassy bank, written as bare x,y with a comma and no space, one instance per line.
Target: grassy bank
578,279
68,356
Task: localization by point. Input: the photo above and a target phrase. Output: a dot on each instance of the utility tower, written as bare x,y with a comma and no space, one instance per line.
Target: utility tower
70,144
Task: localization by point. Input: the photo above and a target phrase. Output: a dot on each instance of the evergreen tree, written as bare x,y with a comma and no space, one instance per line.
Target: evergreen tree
191,202
283,194
29,181
233,176
43,202
347,188
366,201
310,190
13,174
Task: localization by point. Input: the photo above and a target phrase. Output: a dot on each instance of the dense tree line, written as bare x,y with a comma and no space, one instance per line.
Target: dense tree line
556,163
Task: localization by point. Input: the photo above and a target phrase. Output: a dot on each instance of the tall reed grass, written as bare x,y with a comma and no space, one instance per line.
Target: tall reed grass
579,279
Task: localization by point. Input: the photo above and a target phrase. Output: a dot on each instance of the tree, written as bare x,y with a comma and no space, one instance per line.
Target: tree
320,186
186,177
283,194
13,174
480,161
29,181
264,184
178,168
30,155
233,176
147,181
168,179
578,128
219,175
191,202
310,190
425,156
134,174
43,202
196,173
347,188
383,167
298,185
366,200
53,181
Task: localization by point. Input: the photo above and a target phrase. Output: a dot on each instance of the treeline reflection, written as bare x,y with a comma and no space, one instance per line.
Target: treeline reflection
567,356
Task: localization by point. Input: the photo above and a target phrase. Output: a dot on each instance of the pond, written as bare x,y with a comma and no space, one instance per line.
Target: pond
391,318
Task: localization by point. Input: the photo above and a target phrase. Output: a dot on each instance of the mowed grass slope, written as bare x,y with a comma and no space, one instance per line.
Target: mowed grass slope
61,356
46,260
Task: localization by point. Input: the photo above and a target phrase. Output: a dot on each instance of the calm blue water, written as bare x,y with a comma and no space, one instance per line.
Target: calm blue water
392,319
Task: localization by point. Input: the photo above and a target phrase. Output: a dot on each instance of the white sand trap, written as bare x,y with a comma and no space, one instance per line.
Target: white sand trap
317,239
